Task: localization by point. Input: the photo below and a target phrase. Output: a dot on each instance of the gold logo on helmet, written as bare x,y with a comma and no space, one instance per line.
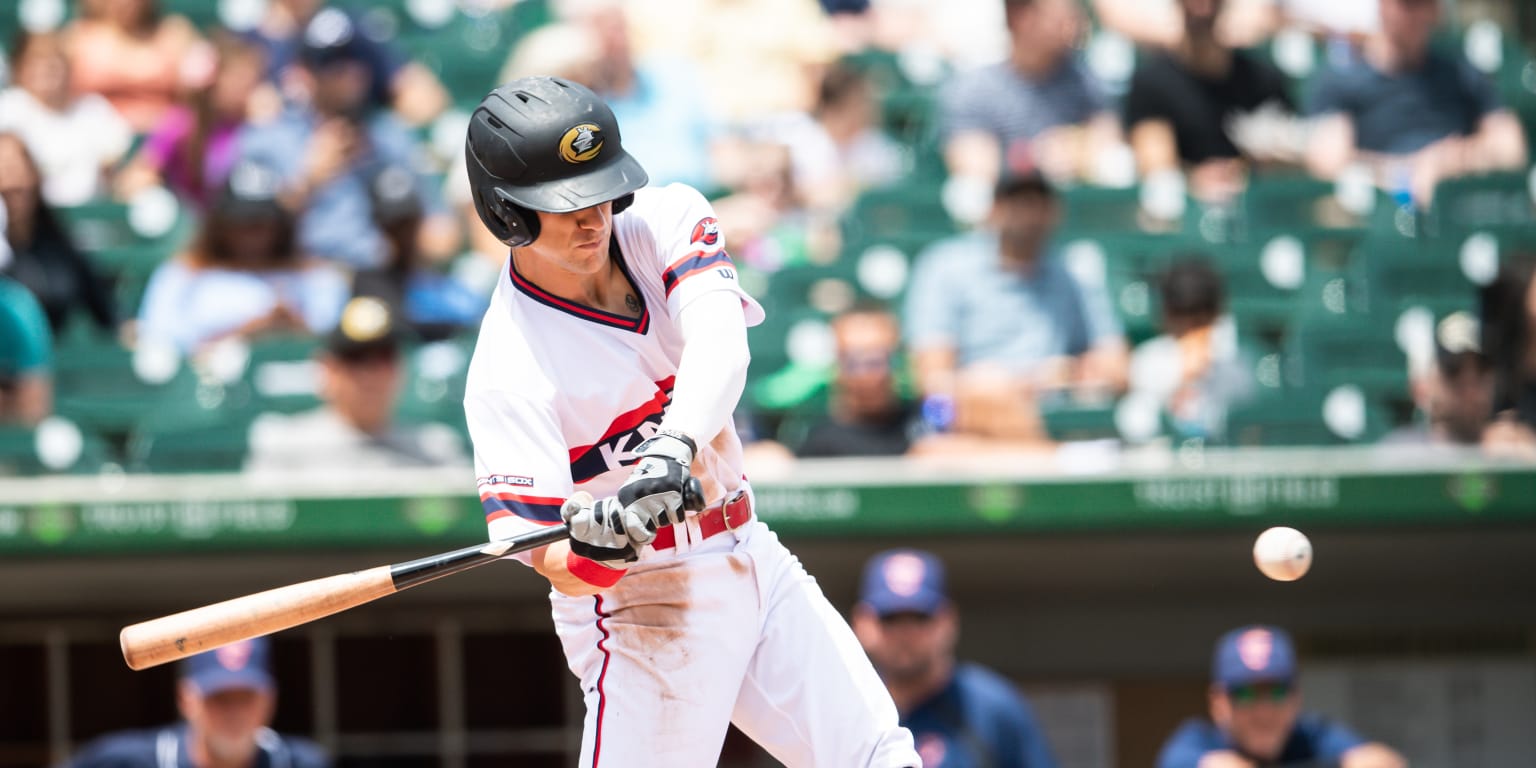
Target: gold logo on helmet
581,143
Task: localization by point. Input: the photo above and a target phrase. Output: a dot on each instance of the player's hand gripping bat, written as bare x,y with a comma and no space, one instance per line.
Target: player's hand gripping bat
184,634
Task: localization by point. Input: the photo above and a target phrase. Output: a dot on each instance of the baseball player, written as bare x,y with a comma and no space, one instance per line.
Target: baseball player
603,381
1256,717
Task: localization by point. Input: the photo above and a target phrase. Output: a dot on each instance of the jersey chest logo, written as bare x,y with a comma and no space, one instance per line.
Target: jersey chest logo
616,448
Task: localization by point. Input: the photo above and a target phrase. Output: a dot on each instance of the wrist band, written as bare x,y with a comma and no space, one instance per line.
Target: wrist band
593,572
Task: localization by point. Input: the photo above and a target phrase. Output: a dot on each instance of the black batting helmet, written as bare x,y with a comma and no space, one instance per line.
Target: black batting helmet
544,144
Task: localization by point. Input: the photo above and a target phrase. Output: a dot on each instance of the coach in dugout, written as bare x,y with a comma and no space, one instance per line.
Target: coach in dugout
227,698
961,715
1256,718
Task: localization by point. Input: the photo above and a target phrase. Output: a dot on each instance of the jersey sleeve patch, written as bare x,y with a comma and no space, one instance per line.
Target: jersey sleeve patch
706,232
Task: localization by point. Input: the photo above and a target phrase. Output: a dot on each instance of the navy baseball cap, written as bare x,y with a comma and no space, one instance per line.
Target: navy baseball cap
1254,654
903,581
246,664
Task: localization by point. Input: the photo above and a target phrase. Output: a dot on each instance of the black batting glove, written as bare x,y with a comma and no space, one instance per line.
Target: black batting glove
657,487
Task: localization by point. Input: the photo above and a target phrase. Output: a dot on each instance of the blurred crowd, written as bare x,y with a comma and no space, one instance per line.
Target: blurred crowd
305,145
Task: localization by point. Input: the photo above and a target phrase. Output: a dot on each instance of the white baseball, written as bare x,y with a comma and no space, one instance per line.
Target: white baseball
1283,554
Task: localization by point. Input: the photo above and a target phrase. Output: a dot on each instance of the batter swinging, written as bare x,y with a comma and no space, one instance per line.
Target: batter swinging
605,375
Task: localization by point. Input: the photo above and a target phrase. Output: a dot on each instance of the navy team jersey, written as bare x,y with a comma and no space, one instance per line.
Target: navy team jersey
167,748
978,721
1315,740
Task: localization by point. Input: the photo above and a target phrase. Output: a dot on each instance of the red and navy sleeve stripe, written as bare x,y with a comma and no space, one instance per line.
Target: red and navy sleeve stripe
692,264
544,510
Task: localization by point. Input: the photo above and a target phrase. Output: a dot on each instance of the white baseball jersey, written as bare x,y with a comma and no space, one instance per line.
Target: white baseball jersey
712,631
560,394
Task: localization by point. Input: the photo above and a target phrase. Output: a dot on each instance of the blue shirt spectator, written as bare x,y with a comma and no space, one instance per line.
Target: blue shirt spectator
1031,104
1256,717
960,715
963,296
336,220
1401,112
327,151
1412,114
242,275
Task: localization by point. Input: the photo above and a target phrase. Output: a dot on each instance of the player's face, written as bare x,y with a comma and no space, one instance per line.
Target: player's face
575,242
226,722
1259,717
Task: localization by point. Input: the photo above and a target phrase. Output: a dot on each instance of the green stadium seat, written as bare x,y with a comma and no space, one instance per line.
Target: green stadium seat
58,446
119,240
1323,351
95,385
1307,417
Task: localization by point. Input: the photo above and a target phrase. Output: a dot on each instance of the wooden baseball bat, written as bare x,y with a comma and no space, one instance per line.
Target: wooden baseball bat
184,634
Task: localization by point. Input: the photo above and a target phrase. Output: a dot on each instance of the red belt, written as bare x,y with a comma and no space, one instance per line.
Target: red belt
726,516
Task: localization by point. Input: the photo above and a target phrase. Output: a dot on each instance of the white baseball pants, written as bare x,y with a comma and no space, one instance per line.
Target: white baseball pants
728,630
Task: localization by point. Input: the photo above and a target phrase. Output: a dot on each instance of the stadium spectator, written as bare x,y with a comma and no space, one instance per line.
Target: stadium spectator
326,151
1509,337
995,323
1158,23
1040,103
193,148
227,699
1194,370
1412,113
960,714
668,125
244,275
360,379
838,149
396,81
431,304
76,140
132,54
1256,717
26,357
1454,394
1187,104
43,258
866,414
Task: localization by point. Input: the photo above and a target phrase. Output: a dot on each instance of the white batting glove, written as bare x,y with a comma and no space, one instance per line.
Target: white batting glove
604,531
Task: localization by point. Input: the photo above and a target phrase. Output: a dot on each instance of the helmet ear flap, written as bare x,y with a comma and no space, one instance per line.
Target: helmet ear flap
622,202
520,226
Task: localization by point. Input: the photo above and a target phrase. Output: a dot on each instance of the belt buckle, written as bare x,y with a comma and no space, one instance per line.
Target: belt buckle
725,511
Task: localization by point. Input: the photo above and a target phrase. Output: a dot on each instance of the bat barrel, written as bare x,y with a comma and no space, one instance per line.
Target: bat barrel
184,634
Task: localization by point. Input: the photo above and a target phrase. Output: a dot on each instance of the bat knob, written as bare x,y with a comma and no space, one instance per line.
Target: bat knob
693,495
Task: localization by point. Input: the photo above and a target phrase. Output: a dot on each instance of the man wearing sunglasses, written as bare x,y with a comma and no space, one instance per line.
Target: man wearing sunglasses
1256,717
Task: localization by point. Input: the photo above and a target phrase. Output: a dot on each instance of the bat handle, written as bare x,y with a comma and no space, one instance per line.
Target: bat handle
693,495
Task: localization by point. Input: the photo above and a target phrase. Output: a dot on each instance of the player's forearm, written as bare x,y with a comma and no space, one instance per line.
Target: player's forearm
553,563
713,369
